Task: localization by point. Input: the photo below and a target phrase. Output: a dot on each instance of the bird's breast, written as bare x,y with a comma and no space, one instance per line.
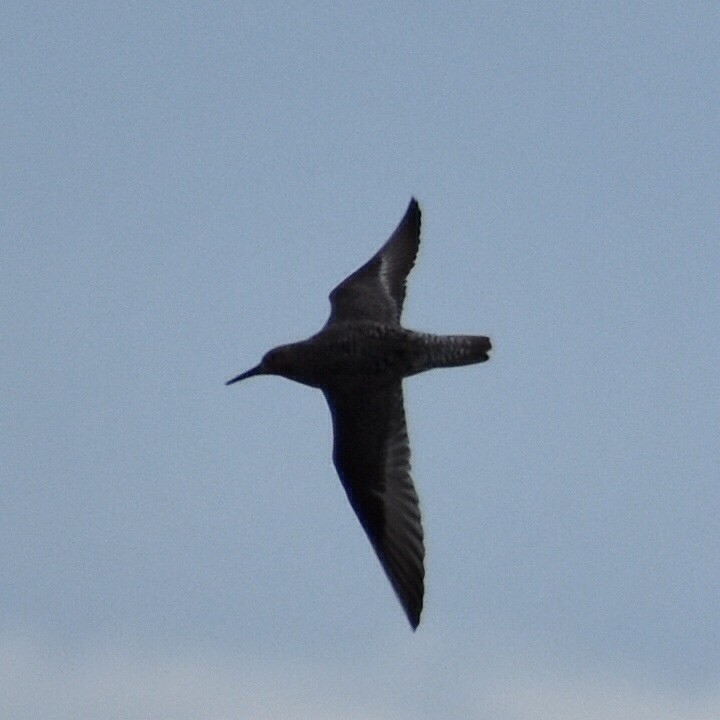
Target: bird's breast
365,352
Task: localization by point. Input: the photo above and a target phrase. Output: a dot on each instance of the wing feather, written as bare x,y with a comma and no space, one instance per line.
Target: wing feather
372,457
376,291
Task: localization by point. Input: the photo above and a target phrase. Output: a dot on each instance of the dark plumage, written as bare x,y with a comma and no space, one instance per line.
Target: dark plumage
359,360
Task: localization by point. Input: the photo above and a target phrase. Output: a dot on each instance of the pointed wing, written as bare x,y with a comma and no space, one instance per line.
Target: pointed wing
372,457
376,291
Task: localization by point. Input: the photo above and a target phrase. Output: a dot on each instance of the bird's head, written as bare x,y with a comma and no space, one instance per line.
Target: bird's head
277,361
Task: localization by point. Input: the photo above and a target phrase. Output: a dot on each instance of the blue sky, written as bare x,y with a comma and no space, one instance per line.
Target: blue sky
182,186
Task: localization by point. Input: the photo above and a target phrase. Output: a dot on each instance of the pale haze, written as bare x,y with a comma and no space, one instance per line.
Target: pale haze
183,184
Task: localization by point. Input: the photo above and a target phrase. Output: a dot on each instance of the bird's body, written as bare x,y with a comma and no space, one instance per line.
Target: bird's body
373,353
359,360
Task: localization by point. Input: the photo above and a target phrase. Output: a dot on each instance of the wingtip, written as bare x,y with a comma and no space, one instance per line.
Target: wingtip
412,217
413,609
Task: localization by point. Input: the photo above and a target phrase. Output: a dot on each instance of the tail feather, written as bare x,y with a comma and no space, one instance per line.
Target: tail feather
457,350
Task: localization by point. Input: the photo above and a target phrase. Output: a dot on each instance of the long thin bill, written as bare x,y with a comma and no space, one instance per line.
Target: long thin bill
257,370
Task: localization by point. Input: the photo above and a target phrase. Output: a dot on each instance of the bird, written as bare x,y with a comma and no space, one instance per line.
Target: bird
359,360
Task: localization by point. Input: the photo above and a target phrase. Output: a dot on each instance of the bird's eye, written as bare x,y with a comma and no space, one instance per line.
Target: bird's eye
274,357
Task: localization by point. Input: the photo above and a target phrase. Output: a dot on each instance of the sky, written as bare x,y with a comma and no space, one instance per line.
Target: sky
182,184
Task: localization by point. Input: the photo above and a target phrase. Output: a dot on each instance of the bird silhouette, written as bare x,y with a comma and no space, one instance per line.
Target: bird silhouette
359,360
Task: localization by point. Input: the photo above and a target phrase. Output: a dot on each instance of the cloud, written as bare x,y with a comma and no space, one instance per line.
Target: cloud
43,682
582,698
49,684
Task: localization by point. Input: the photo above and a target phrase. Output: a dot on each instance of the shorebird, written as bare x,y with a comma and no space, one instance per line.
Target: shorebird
359,360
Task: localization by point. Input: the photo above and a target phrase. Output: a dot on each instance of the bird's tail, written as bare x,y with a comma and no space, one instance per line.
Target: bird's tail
455,350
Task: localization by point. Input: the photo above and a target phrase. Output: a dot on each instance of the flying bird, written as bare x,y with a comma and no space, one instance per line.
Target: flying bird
359,360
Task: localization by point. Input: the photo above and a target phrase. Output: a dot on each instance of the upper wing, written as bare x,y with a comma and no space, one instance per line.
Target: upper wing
372,457
376,291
